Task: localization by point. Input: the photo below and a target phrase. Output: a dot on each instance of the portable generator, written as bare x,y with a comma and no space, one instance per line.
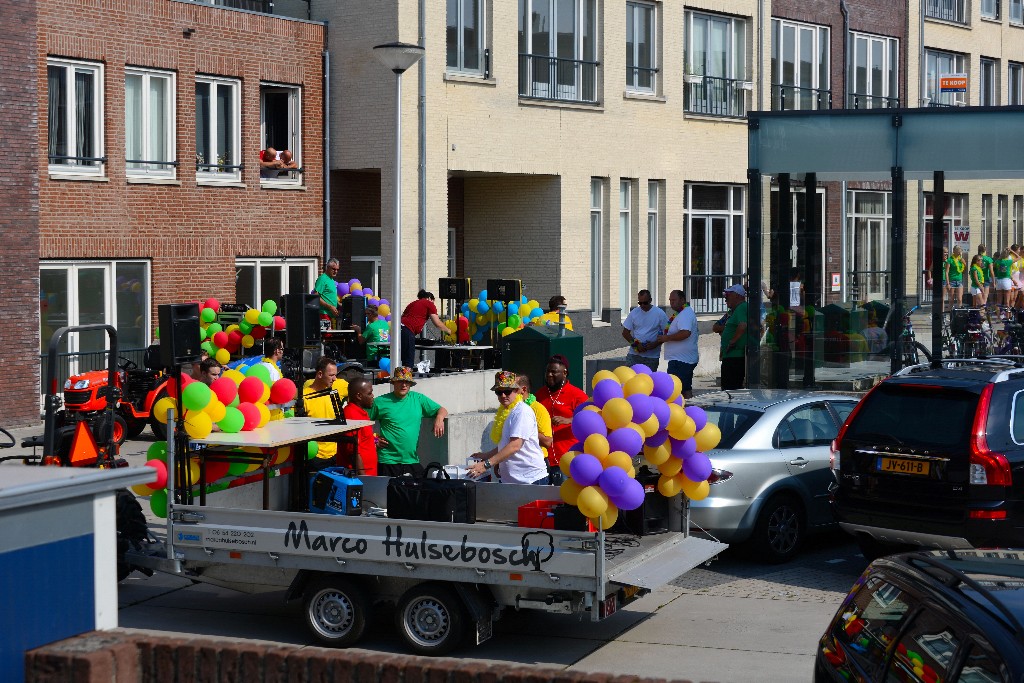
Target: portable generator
335,491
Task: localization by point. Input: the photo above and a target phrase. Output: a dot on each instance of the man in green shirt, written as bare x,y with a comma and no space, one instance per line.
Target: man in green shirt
327,288
376,336
733,329
400,414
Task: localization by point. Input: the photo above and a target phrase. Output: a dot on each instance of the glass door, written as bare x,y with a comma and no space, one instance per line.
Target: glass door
709,261
72,295
870,258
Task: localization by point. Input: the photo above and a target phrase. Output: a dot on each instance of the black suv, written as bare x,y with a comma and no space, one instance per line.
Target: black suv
930,617
934,457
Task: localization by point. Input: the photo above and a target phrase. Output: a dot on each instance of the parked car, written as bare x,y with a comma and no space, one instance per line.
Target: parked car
771,476
934,457
930,616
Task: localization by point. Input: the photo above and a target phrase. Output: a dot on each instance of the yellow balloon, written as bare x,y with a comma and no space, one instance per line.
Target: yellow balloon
677,389
235,375
593,409
252,316
607,519
638,384
450,324
266,395
631,472
688,429
222,356
142,490
668,486
563,464
624,373
708,437
671,467
569,491
657,454
676,416
618,459
651,427
532,303
592,501
383,310
193,469
597,446
248,341
231,328
473,303
264,413
617,412
695,490
161,407
603,374
283,453
636,428
215,409
276,414
198,424
507,331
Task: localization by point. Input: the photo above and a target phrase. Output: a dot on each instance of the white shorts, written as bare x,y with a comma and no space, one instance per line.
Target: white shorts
975,291
1004,284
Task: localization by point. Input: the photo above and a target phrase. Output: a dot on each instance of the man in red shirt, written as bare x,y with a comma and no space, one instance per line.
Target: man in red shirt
414,319
360,455
561,400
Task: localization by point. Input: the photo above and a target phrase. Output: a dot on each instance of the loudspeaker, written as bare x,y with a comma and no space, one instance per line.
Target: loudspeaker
179,334
353,311
301,320
504,290
457,288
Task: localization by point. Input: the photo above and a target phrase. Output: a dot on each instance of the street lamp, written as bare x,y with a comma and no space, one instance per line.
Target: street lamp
398,57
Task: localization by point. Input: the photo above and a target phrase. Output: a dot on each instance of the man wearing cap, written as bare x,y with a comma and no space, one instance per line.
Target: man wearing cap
641,328
734,338
518,452
400,414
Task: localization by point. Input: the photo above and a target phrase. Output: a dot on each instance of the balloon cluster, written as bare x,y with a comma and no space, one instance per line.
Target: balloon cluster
634,410
222,342
355,288
482,315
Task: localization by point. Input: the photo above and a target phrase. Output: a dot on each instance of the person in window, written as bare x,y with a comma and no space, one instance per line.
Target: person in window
272,162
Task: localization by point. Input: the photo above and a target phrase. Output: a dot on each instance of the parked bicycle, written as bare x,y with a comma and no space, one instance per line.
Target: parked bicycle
906,350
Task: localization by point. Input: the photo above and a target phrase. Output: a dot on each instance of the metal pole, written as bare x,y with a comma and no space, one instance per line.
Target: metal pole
938,241
396,284
754,252
898,262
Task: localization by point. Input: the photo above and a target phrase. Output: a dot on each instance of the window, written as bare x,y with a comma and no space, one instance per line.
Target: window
947,10
934,641
989,82
986,218
149,123
990,9
366,261
716,65
625,245
218,129
641,49
868,229
808,426
280,118
558,50
262,279
1017,12
464,39
716,242
954,220
1002,207
75,117
453,267
596,245
653,235
877,610
1018,216
800,63
874,72
938,64
1015,83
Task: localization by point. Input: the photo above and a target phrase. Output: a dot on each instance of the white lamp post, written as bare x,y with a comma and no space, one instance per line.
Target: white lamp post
398,57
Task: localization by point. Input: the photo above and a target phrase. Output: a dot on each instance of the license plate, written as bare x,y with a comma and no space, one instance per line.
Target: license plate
901,466
608,606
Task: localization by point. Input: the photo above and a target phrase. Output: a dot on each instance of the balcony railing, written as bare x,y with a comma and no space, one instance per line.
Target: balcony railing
716,96
264,6
704,292
861,101
947,10
559,80
790,97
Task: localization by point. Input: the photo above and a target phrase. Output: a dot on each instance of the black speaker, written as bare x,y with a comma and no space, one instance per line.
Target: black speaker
457,288
301,320
179,334
504,290
353,312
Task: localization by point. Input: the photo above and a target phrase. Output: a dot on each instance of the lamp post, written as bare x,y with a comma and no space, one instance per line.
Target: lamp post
398,57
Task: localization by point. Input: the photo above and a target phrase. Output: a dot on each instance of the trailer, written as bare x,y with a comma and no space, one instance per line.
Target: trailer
448,581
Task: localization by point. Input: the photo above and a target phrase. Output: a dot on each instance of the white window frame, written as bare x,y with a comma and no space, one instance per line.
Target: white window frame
735,103
947,10
1015,83
734,248
653,236
625,244
988,86
956,64
294,94
986,218
283,263
990,9
375,259
890,49
452,253
596,246
1002,225
1018,217
148,147
634,11
204,175
460,67
820,38
1017,12
73,167
579,90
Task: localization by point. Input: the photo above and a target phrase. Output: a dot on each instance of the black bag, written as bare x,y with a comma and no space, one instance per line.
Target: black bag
435,497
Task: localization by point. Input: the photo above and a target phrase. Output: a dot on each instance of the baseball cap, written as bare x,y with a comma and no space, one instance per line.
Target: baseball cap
736,289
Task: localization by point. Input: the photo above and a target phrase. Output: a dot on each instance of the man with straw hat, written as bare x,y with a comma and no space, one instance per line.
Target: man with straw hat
400,414
518,452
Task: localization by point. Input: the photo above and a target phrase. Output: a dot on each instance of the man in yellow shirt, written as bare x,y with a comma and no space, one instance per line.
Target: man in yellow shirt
551,317
321,406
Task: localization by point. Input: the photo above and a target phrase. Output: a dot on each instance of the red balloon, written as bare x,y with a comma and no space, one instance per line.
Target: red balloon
220,339
282,391
234,337
251,413
212,303
278,322
216,470
161,473
258,332
250,390
171,386
233,346
225,389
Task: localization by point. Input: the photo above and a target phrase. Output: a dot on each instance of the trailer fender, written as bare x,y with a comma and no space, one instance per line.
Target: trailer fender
481,611
298,585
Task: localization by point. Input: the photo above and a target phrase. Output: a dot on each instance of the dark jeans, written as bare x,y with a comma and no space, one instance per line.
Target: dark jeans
733,372
413,469
543,481
684,371
408,347
555,475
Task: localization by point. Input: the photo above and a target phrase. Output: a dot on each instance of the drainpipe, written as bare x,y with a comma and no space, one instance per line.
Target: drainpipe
843,246
326,113
760,55
422,168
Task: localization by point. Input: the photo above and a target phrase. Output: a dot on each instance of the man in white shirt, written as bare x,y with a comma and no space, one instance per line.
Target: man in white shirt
273,352
518,452
641,328
680,341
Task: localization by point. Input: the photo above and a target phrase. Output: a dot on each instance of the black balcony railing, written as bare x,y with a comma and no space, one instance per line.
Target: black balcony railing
716,96
933,103
861,101
554,78
641,78
264,6
947,10
704,292
790,97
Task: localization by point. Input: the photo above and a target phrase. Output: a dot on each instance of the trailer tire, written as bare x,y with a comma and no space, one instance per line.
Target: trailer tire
131,529
335,611
431,619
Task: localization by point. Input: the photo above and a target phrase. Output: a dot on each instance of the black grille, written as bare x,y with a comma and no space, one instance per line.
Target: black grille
76,398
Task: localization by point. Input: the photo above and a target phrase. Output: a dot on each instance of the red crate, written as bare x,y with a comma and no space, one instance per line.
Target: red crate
538,515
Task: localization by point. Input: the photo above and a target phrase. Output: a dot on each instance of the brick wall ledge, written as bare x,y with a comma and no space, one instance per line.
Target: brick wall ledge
122,656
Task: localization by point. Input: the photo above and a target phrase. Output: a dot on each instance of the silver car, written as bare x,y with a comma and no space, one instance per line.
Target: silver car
771,476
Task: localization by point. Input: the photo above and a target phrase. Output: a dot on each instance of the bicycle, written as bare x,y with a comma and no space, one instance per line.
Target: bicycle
906,350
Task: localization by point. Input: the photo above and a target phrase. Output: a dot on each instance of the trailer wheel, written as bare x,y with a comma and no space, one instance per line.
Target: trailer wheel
131,529
431,619
335,611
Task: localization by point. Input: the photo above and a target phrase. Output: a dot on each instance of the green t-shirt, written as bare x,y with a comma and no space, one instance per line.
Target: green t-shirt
400,425
376,334
956,269
986,263
738,316
1002,267
977,276
327,288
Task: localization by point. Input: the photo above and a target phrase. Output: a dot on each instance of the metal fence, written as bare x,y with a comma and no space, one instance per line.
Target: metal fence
554,78
69,364
716,96
264,6
704,292
948,10
868,284
861,101
790,97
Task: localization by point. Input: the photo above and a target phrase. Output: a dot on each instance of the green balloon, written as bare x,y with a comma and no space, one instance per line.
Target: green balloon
237,469
265,319
234,403
501,326
245,327
311,449
232,421
208,315
214,488
290,412
157,332
258,370
270,306
157,451
208,347
514,321
204,332
158,502
196,396
213,329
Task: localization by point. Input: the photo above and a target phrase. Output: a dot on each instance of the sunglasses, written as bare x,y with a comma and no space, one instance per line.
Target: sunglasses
504,392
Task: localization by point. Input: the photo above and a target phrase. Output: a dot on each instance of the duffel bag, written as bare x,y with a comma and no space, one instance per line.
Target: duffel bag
434,497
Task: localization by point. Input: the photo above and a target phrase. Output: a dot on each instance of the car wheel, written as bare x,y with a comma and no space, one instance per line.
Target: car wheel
779,531
431,619
335,611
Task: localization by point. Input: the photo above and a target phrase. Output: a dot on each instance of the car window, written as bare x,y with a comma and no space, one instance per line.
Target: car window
920,417
1017,418
925,651
870,621
843,409
731,421
810,425
982,666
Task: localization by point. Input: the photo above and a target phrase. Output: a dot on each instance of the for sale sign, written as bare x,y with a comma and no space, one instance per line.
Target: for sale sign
953,83
962,237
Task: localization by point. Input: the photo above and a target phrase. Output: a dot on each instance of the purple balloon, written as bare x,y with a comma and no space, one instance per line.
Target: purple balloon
582,406
631,497
587,422
658,439
697,467
585,469
606,390
384,302
578,447
353,282
612,481
661,411
642,408
679,400
625,439
367,291
697,414
663,385
685,448
342,288
641,369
